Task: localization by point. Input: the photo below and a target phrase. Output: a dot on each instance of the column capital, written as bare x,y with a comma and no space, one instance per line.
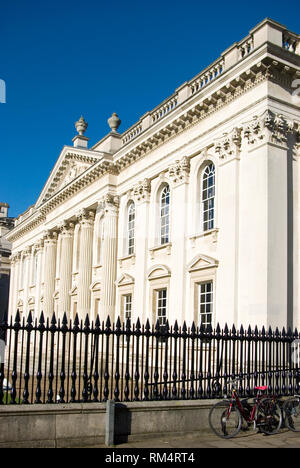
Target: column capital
50,236
66,228
228,147
16,257
38,246
27,251
267,128
110,203
141,191
85,217
179,172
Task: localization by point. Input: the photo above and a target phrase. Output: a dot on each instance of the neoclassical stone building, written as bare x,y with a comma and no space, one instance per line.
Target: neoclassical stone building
191,214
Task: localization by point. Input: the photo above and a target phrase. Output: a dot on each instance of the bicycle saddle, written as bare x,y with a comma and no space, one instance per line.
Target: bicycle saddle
265,387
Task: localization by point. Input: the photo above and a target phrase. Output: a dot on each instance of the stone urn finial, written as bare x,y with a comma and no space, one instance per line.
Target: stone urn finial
114,122
81,126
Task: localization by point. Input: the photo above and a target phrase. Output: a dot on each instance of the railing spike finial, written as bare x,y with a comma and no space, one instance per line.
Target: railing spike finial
176,328
108,323
42,318
118,324
29,318
97,321
18,317
148,326
138,324
65,319
76,322
53,319
87,321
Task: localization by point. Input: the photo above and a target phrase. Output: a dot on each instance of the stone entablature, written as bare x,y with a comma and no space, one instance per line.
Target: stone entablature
238,120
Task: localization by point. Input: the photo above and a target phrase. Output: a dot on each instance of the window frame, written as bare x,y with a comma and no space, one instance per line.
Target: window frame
208,205
164,215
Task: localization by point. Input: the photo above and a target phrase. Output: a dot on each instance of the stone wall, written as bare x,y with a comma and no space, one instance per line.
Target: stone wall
83,425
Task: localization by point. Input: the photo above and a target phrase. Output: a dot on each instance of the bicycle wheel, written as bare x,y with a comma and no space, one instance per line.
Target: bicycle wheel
268,416
225,419
291,411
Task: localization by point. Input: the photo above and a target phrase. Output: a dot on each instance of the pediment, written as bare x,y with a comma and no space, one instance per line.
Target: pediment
95,286
158,271
125,279
69,166
201,262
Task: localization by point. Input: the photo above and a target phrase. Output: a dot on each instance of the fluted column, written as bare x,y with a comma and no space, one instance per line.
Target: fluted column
86,220
110,205
38,276
65,275
50,269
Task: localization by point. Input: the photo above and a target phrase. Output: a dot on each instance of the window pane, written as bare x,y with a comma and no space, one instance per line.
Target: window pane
206,303
208,194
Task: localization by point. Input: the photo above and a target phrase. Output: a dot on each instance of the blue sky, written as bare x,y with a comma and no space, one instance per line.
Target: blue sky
61,59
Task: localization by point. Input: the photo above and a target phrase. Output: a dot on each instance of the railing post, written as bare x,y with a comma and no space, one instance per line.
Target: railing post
63,330
29,328
146,374
110,423
51,367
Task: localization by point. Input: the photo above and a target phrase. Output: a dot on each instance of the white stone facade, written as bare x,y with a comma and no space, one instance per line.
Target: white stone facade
191,214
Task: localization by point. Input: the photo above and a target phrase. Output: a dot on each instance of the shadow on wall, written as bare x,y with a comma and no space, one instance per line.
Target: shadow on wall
4,292
122,423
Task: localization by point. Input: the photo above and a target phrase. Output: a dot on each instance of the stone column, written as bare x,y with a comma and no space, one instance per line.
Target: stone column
228,150
86,220
27,255
65,274
49,275
179,176
110,205
38,280
141,193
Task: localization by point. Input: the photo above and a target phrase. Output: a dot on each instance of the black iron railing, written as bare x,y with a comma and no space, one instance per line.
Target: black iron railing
61,361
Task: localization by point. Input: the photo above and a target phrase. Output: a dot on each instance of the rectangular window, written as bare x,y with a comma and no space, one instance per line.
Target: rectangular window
162,307
206,303
127,307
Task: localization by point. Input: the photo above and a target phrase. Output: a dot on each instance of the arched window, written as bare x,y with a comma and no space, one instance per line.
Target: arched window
208,197
130,228
165,215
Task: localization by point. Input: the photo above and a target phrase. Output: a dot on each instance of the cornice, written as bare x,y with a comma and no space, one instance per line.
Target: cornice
200,107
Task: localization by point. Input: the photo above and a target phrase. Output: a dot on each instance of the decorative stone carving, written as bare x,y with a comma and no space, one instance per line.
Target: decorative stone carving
109,202
180,170
114,122
85,216
81,125
229,145
142,190
269,128
66,228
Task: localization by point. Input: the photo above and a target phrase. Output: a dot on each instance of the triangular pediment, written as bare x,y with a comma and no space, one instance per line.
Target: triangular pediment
69,166
201,262
125,279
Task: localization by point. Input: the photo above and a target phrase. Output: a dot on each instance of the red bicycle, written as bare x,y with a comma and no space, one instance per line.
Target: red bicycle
226,417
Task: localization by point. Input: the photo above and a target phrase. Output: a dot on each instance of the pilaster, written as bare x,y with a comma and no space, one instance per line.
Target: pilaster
110,207
65,283
86,219
50,243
